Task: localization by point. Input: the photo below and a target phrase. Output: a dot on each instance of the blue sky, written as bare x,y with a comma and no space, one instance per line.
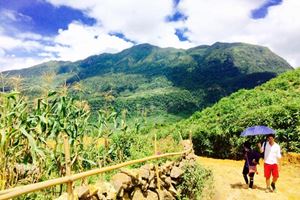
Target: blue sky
262,11
35,31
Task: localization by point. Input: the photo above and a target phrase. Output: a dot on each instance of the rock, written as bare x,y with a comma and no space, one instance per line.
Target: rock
186,144
162,183
121,180
144,173
151,175
101,196
168,195
126,197
134,173
111,194
176,172
173,191
174,182
144,185
152,195
82,192
121,193
163,177
182,164
106,190
137,194
139,184
165,195
148,167
166,168
93,190
191,156
168,181
64,196
152,184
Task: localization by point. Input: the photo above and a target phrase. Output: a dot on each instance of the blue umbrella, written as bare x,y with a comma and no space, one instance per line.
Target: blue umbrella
257,130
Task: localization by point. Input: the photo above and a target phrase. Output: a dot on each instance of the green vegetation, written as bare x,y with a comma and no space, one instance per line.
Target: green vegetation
112,105
32,134
197,183
163,82
216,130
31,140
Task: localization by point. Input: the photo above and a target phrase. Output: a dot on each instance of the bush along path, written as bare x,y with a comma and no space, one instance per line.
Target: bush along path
165,181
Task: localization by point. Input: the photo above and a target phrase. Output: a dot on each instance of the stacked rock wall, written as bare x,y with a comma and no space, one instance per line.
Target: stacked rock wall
150,182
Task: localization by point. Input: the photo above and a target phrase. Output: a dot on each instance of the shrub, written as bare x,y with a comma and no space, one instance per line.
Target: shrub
197,183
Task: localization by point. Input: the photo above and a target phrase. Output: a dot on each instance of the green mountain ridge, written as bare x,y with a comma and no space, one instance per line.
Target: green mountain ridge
170,80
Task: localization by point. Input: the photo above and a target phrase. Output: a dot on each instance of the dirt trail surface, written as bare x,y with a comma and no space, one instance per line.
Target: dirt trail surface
229,182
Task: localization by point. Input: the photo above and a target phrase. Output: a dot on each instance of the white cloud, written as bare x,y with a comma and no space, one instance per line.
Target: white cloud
145,21
32,36
229,21
7,42
7,15
12,62
280,30
25,44
140,21
2,52
26,41
214,20
207,22
80,41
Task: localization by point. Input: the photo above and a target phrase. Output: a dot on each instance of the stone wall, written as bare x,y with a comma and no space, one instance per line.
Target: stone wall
148,182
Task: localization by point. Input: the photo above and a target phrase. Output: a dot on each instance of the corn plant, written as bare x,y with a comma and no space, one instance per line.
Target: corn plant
32,135
17,142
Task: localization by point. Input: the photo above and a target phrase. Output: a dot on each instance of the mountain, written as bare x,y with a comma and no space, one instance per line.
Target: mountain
216,130
174,81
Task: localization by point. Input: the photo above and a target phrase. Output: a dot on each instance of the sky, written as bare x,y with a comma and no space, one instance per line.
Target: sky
36,31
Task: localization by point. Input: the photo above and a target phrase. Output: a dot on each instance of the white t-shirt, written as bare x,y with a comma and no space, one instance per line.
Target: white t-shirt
272,153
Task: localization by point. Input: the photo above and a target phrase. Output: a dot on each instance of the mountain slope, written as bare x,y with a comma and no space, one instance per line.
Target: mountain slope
171,80
275,104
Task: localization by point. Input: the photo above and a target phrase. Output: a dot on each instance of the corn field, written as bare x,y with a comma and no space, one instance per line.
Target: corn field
31,140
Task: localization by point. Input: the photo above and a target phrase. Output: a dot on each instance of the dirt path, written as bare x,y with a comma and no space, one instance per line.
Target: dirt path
229,182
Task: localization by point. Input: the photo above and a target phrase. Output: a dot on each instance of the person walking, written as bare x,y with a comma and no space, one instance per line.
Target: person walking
251,160
272,156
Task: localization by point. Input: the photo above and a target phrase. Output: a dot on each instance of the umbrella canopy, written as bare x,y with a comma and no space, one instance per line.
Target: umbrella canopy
257,130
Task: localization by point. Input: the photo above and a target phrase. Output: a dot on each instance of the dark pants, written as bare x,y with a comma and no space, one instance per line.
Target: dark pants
251,175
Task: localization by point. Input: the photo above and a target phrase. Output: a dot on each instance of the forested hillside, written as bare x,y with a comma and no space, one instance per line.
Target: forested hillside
153,80
216,130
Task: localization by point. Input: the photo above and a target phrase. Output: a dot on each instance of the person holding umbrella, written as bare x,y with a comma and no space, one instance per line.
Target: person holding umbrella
272,155
271,152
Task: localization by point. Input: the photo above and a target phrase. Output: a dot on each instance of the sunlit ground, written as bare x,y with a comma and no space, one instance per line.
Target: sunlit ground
229,182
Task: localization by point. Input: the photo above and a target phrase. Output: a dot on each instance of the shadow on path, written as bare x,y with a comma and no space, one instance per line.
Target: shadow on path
240,185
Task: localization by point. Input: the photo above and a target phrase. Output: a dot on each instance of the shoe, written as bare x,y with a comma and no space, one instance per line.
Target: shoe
273,186
251,185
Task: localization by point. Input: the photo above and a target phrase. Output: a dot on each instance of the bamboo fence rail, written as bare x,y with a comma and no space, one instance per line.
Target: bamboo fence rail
69,179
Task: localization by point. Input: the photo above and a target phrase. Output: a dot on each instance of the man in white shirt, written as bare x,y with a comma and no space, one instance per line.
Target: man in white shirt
271,161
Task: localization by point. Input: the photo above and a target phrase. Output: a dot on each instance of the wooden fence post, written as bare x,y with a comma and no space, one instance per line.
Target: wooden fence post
68,167
155,145
156,166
